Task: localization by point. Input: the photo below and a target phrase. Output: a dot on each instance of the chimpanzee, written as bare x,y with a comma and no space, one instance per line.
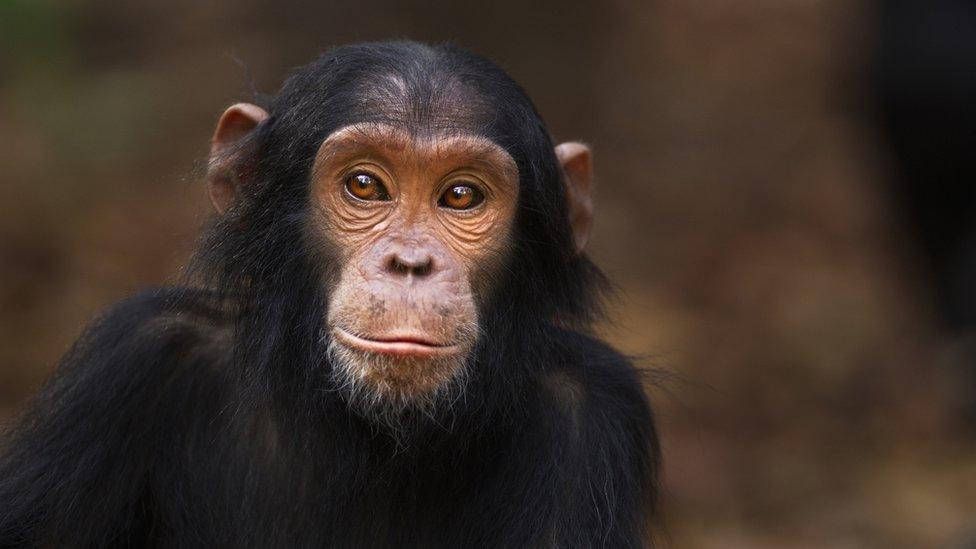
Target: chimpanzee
384,341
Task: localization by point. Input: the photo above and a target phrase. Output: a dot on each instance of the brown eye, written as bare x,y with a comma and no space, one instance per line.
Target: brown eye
461,197
366,187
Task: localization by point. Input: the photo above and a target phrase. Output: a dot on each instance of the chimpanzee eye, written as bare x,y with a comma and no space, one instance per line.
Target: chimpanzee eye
461,197
366,187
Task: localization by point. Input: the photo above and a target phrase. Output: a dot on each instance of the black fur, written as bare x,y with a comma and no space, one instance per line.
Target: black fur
204,415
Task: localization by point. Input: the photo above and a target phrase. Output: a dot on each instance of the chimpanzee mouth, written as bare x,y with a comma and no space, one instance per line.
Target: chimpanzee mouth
404,345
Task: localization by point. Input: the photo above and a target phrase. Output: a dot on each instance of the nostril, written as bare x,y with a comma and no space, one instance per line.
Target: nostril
396,266
424,268
404,266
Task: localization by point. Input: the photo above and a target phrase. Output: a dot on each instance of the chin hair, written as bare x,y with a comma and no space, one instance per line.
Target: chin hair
369,384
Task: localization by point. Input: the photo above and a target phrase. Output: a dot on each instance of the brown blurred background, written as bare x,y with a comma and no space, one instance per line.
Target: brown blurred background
811,389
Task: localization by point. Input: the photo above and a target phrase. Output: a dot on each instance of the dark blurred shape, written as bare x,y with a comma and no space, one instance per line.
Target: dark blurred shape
924,79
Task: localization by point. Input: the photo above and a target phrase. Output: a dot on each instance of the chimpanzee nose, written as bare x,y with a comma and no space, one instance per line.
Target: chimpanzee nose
410,261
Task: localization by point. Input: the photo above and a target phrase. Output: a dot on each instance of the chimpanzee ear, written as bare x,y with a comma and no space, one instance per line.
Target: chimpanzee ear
224,177
577,165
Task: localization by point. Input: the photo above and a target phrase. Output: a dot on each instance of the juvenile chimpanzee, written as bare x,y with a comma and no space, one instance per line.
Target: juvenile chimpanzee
384,341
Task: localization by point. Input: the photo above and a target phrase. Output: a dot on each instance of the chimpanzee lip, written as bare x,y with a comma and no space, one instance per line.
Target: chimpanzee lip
407,344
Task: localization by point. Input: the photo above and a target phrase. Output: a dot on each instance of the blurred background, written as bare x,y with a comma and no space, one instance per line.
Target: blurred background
784,201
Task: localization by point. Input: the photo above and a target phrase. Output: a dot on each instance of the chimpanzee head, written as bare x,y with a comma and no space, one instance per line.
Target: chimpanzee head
405,203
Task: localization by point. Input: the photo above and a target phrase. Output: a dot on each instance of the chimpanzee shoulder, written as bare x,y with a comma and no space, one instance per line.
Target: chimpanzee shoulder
594,397
78,464
168,325
599,423
586,371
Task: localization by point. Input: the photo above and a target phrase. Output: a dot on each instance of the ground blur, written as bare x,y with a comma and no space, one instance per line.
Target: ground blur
806,391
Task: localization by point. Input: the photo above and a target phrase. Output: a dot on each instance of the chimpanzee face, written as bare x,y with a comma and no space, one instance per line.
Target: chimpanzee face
415,225
419,223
